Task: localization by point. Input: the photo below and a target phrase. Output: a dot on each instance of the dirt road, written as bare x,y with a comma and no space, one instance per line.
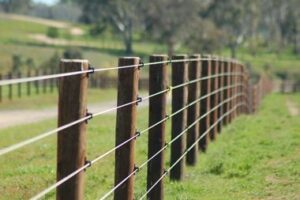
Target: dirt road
19,117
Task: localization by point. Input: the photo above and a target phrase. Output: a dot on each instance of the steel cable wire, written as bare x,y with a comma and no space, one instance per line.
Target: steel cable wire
54,131
167,144
49,189
92,70
187,150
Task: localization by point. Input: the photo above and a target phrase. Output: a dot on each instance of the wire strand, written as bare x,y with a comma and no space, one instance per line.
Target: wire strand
182,156
57,184
44,135
169,143
41,136
60,75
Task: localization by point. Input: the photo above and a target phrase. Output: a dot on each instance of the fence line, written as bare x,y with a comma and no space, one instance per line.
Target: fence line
186,151
11,81
90,116
230,96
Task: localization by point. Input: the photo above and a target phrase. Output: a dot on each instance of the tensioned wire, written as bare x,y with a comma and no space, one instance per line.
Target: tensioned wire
190,148
49,189
98,69
167,144
88,117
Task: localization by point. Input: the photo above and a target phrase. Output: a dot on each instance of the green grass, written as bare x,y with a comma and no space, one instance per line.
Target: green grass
256,157
46,100
104,50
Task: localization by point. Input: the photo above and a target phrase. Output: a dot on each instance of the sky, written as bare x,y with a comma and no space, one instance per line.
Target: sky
48,2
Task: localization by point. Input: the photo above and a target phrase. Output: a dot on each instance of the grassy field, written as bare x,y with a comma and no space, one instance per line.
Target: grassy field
41,100
256,157
16,38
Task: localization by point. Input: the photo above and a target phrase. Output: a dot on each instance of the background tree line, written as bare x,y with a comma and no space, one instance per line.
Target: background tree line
199,25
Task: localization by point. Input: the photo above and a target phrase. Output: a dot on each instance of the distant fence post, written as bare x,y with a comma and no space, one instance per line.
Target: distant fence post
1,88
193,110
246,91
37,89
214,97
52,81
179,100
45,81
221,94
254,98
19,86
28,84
226,93
240,88
71,149
126,126
10,87
205,102
158,81
233,87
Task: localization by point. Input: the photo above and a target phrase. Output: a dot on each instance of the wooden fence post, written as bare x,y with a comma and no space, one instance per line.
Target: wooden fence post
205,102
233,84
71,149
19,86
240,87
28,84
45,82
126,126
193,110
10,88
221,94
37,83
179,100
52,81
236,88
245,91
226,94
1,88
158,81
214,97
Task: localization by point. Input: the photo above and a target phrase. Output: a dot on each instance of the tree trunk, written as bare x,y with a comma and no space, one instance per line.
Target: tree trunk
171,47
127,38
297,43
128,46
232,48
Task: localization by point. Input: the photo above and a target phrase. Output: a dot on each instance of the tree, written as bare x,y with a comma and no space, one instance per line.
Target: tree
229,15
120,14
19,6
172,21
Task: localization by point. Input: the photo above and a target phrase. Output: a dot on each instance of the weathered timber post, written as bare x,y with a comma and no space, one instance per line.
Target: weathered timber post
19,86
28,84
193,110
214,98
10,88
1,89
226,93
205,102
71,142
126,126
45,82
179,121
158,81
221,94
37,83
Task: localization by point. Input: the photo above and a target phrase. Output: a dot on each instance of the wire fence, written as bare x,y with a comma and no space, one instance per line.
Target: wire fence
207,93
